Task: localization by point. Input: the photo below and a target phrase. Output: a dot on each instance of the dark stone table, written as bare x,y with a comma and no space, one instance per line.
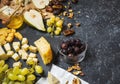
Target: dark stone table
100,28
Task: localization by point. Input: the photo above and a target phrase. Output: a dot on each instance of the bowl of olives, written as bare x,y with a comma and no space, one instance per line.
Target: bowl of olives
72,50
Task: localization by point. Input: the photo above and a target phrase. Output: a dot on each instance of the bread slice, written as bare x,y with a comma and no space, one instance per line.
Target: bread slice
52,79
44,49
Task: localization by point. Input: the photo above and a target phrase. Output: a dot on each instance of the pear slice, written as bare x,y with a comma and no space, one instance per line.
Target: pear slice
34,18
40,3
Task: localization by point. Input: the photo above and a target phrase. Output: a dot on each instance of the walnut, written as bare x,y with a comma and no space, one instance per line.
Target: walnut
71,15
69,25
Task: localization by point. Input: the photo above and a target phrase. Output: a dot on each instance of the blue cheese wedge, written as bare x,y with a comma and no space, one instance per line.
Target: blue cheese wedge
8,11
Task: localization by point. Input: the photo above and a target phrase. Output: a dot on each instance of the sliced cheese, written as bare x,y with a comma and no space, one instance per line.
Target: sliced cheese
44,49
52,79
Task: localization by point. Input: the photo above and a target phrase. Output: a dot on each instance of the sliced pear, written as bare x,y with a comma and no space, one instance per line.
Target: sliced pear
40,3
34,18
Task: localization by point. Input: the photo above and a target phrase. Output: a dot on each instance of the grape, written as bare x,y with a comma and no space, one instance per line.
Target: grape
5,67
16,70
59,23
24,71
4,82
29,82
52,19
57,32
30,62
31,70
21,78
49,22
11,76
17,83
49,29
24,82
38,69
57,19
1,70
2,62
64,45
59,29
31,77
6,79
11,82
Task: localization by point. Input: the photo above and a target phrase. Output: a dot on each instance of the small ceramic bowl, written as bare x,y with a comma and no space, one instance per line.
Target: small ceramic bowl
73,59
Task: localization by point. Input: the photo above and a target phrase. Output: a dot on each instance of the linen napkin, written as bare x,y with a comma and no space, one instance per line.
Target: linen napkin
60,74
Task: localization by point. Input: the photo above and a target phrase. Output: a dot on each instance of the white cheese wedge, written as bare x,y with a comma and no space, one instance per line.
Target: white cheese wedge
33,49
10,53
17,64
15,56
24,41
7,47
25,47
33,55
52,79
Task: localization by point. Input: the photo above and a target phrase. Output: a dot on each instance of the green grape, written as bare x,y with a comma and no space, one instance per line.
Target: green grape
6,79
4,83
29,82
11,76
49,29
57,32
1,70
49,22
11,82
21,77
57,19
59,29
59,23
52,19
5,67
32,70
24,82
38,69
16,70
31,77
24,71
2,62
17,83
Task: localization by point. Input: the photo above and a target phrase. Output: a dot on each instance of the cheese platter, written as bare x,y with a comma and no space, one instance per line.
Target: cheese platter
29,36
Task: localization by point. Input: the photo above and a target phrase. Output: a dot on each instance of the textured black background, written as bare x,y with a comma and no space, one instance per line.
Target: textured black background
100,28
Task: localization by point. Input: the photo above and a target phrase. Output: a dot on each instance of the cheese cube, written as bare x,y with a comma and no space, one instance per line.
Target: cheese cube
16,48
17,64
35,60
7,47
30,61
33,55
15,56
33,49
24,41
16,44
18,36
25,47
10,37
24,54
20,52
2,52
10,53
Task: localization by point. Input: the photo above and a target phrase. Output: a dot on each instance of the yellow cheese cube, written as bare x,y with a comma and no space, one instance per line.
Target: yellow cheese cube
7,47
33,49
35,60
16,44
24,41
33,55
15,56
3,56
10,53
17,64
23,54
44,49
18,36
25,47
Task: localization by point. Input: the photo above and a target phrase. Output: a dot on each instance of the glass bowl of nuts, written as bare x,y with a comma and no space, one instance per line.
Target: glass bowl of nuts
72,50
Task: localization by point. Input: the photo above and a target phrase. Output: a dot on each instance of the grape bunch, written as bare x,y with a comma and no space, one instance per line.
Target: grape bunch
55,25
17,75
72,47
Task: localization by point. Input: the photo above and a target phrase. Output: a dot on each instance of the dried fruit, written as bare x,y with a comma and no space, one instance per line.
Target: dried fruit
68,32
